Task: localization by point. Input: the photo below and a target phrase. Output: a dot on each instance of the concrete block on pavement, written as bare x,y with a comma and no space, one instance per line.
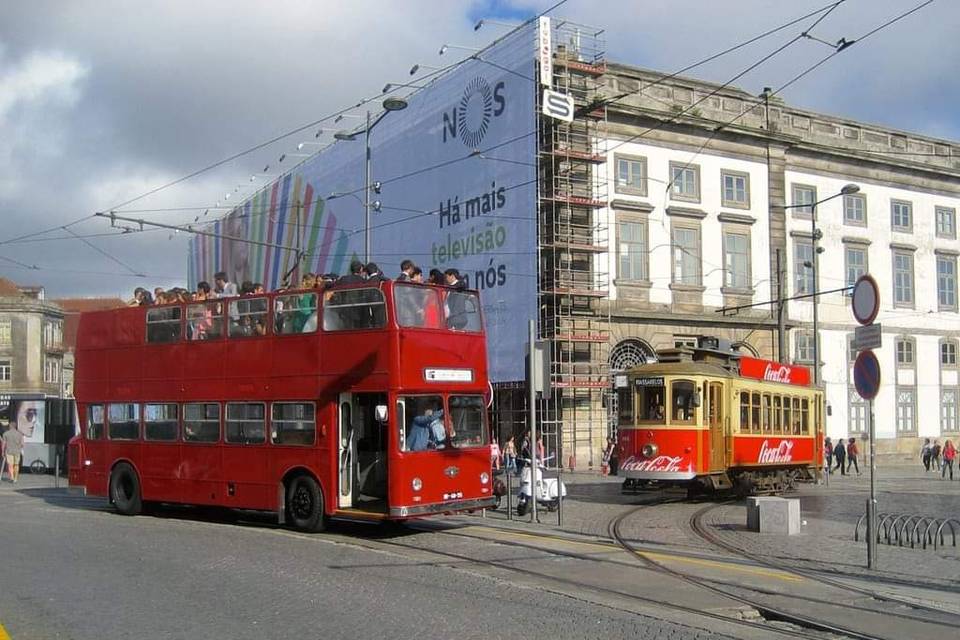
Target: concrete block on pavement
779,515
753,511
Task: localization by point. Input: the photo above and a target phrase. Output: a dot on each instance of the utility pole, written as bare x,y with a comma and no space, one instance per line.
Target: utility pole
781,328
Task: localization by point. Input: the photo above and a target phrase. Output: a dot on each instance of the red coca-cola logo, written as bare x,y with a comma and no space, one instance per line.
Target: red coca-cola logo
774,371
783,452
660,463
781,374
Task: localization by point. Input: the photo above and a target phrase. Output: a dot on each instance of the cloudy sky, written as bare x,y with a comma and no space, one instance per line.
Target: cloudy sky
103,100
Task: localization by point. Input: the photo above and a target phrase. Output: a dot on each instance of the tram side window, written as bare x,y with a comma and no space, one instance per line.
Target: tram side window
94,421
245,423
462,311
160,422
354,309
417,306
683,392
422,419
201,422
163,324
624,407
767,417
804,416
248,317
651,395
295,313
124,421
745,412
755,412
205,321
797,417
787,416
293,423
777,414
467,421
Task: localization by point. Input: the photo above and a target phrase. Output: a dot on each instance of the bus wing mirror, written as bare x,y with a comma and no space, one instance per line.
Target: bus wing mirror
380,411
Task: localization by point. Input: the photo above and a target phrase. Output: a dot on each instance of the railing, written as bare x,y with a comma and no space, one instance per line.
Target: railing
901,528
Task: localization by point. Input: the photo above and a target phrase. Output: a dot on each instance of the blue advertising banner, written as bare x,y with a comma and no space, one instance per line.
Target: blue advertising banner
457,186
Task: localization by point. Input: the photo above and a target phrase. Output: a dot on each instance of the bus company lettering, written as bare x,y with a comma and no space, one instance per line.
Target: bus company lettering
783,452
660,463
779,374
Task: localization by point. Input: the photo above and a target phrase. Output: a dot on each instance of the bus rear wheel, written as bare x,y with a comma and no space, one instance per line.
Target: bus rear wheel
125,490
305,504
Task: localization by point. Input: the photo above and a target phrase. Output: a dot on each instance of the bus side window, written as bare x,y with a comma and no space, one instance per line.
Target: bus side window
348,309
245,423
94,421
295,313
247,317
163,324
293,423
124,421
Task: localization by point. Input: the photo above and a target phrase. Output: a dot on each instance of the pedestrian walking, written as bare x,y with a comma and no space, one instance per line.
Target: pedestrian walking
853,453
13,449
840,455
925,453
828,453
495,454
949,455
935,456
510,455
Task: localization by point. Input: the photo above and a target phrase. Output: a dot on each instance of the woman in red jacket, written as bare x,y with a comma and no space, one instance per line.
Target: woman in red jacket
852,452
949,455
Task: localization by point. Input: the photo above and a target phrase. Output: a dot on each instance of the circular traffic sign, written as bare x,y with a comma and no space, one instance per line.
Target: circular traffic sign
866,300
866,375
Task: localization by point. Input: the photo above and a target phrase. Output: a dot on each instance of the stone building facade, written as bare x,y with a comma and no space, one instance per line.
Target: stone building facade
706,212
31,343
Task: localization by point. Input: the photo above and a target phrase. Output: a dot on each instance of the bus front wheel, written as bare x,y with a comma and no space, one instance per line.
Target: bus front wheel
305,504
125,490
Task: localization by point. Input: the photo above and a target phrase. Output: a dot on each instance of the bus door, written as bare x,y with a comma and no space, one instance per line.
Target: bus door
370,449
347,451
715,420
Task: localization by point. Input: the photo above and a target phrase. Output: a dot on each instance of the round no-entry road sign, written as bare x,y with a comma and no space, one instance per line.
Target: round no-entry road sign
866,375
866,300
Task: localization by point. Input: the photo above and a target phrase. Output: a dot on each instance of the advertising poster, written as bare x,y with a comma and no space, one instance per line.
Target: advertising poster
456,182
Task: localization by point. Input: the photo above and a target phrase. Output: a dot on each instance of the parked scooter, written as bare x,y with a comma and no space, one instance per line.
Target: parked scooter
548,490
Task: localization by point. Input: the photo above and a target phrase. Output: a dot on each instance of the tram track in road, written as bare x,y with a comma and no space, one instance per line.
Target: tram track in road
928,613
838,619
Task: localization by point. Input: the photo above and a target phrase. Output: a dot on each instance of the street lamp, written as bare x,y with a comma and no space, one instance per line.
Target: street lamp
813,264
392,103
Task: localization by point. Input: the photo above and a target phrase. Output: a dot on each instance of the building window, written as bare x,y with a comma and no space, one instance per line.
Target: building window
905,357
683,341
947,282
51,370
948,409
903,278
736,260
685,182
6,331
906,411
855,209
948,353
855,262
686,255
631,175
857,412
901,215
6,371
736,189
803,197
947,223
52,334
632,250
804,346
802,274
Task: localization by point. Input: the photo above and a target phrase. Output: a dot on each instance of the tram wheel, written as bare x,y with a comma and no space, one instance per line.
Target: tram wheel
305,504
125,490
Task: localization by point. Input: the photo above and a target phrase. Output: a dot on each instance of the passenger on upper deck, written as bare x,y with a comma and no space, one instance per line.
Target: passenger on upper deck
203,291
417,275
356,275
456,304
223,287
436,277
374,275
406,271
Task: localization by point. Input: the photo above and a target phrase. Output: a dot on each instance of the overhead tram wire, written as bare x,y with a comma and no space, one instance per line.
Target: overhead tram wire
104,253
724,124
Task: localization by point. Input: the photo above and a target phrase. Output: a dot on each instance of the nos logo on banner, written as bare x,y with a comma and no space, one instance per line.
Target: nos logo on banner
471,117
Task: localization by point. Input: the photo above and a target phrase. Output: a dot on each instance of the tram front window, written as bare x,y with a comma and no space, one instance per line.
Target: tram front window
684,400
651,396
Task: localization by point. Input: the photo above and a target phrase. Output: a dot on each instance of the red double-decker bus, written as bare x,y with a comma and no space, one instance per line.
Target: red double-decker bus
363,402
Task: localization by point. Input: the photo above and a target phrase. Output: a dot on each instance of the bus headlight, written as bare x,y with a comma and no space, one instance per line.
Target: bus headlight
484,478
417,484
649,450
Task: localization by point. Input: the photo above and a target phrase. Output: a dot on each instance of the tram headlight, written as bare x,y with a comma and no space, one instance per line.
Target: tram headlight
649,450
484,478
417,484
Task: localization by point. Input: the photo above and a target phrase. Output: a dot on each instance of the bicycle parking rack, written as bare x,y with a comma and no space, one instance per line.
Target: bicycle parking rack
901,528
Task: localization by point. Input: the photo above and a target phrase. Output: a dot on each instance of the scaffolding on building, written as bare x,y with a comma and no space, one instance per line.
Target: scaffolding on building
573,253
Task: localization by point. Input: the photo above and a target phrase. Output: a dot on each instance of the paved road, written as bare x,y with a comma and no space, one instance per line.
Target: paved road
73,569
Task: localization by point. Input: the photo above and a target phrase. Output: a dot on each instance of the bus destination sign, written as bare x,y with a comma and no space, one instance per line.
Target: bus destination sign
774,371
